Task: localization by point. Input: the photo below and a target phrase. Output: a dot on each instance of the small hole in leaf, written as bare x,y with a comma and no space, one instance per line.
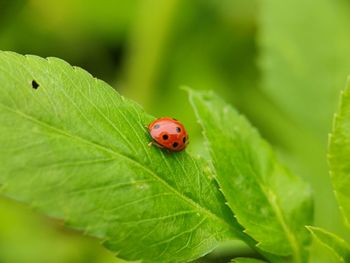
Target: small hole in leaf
35,85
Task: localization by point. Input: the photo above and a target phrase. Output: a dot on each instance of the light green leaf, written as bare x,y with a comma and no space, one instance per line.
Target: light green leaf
247,260
271,204
339,155
76,150
339,247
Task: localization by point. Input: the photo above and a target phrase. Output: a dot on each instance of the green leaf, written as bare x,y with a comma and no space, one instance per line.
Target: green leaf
339,155
247,260
76,150
339,247
271,204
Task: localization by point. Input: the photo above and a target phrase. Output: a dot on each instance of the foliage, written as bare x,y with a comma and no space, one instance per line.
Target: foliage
65,131
280,63
75,135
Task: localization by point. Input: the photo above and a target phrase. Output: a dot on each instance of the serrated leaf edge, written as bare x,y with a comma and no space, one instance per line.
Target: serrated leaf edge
343,93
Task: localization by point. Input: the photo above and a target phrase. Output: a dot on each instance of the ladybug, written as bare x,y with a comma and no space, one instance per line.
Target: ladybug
168,133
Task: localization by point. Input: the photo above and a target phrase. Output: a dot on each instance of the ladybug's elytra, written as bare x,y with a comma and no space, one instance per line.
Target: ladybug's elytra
168,133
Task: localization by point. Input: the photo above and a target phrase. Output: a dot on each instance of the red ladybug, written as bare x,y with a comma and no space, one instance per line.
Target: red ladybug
168,133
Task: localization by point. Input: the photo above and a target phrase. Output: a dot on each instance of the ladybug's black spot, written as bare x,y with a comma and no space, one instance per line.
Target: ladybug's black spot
165,137
156,126
35,85
175,144
178,129
184,139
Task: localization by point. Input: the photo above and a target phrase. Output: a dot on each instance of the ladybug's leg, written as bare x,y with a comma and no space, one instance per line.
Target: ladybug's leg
145,127
155,143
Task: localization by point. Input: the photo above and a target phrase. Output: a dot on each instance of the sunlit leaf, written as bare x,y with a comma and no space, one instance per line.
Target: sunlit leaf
76,150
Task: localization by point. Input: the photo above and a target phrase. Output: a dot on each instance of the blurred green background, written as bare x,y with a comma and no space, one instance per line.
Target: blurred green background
281,63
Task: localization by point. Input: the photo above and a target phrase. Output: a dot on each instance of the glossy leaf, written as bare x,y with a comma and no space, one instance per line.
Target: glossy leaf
339,155
339,247
270,203
74,149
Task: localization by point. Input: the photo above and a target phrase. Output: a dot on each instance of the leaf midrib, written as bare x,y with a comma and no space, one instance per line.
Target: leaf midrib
288,232
111,151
